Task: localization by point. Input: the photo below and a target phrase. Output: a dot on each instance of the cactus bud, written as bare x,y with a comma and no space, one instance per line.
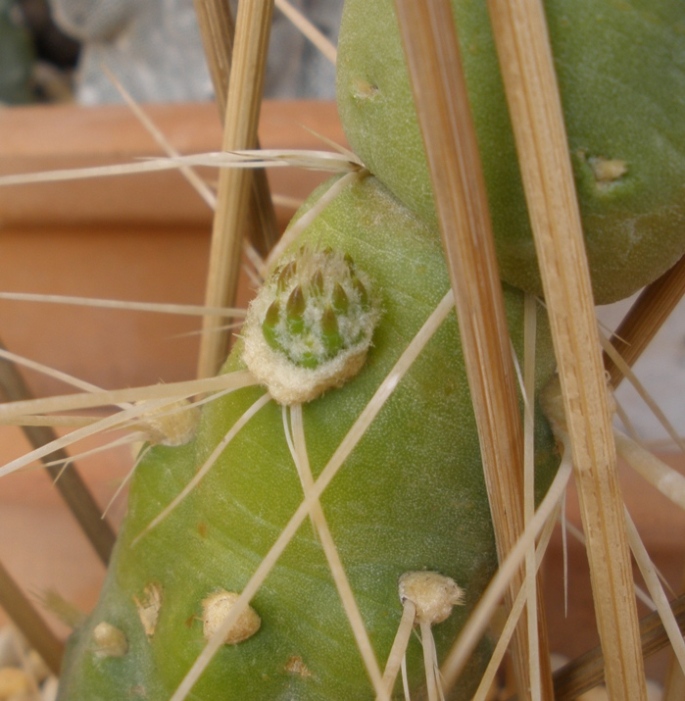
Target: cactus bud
310,326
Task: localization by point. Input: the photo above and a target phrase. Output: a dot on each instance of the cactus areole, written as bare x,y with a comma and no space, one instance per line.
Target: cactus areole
410,497
311,325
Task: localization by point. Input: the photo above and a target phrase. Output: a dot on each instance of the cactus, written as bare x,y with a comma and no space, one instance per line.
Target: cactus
409,498
621,74
325,342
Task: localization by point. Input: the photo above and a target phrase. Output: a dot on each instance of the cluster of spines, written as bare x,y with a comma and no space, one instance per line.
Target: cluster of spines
311,325
319,308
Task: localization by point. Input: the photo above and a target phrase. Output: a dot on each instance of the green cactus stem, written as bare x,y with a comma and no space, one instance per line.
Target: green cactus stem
621,72
409,497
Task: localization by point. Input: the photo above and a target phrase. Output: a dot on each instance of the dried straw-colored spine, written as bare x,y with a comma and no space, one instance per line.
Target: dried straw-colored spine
243,101
532,93
642,322
29,622
434,63
308,30
645,318
587,671
70,485
217,28
674,682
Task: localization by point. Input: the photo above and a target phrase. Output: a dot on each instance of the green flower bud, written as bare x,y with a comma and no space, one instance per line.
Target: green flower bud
311,325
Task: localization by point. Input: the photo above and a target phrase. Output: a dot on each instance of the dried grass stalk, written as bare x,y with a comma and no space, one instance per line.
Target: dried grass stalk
645,318
243,101
587,671
217,28
532,93
309,30
27,619
442,103
71,486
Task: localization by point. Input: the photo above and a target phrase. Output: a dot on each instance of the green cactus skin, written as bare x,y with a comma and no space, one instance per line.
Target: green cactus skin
621,72
410,497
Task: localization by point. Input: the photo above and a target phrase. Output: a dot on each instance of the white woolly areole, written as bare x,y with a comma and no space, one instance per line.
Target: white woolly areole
318,275
148,607
215,610
433,594
172,425
108,641
289,384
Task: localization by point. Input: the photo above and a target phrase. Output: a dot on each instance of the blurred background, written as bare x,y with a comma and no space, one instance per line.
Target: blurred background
55,50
